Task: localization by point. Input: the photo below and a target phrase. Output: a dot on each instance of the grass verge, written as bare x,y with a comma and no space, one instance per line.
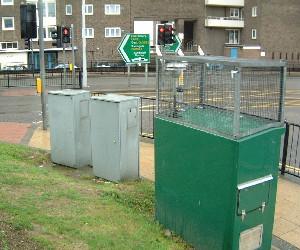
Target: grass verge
45,209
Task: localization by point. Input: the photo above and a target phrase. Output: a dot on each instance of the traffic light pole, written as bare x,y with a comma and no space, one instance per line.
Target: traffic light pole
128,74
64,56
32,63
42,65
73,56
146,73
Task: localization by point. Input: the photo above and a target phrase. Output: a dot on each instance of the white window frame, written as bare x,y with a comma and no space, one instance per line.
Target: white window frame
87,9
3,23
254,11
87,31
12,43
236,36
46,9
254,34
113,32
234,12
69,10
112,9
11,2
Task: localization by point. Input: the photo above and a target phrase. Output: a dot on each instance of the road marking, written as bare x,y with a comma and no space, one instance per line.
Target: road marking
295,169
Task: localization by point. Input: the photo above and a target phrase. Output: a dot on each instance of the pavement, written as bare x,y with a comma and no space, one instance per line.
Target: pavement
286,232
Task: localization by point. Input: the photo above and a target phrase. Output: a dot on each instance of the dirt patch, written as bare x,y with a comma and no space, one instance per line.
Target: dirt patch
147,160
11,238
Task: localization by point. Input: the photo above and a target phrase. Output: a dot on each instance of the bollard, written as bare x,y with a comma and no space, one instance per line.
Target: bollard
39,85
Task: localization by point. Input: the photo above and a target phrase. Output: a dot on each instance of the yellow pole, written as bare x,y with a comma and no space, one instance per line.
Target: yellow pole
39,85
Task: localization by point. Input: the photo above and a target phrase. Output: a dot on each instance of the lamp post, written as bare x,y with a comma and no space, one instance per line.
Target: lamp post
84,70
42,64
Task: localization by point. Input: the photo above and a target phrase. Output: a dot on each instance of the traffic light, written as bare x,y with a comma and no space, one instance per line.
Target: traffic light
28,21
165,34
65,34
56,35
161,29
169,34
27,43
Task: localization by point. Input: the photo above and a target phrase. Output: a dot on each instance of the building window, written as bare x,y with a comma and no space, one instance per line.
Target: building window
234,12
112,9
68,9
233,36
254,33
89,9
89,33
8,23
112,32
48,31
254,11
9,45
49,10
7,2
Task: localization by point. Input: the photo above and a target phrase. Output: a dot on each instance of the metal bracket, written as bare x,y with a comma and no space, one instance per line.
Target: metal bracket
263,205
243,214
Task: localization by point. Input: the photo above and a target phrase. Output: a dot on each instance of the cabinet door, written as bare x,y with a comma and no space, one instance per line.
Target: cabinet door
106,140
61,115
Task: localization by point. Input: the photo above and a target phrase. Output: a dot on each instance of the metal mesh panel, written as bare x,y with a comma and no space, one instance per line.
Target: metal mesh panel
232,97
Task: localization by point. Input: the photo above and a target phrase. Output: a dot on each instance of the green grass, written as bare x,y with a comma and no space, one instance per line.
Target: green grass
3,240
61,212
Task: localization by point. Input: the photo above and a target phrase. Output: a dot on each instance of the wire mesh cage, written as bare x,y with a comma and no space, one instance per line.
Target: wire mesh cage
228,96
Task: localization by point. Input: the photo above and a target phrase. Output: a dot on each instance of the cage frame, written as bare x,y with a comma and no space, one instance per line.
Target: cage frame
239,64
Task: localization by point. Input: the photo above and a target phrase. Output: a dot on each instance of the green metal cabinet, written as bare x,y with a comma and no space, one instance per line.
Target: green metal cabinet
216,192
218,129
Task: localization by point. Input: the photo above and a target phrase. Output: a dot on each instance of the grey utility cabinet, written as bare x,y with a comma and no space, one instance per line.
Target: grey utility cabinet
69,120
115,137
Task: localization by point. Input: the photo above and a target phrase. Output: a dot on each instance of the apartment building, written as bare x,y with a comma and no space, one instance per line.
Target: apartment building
236,28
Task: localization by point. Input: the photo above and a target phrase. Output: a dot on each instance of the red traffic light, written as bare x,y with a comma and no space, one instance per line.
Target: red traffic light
162,30
65,34
65,31
171,29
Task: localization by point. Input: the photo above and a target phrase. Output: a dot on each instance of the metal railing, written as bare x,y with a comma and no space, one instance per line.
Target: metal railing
147,114
225,18
112,66
290,161
27,78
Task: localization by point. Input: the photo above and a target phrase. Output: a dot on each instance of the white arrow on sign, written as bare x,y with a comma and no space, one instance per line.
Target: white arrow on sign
122,45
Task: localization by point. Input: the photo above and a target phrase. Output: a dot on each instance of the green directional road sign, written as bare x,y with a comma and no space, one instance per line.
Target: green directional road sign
173,48
135,48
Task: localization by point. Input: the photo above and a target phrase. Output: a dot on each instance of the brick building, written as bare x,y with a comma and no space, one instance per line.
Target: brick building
237,28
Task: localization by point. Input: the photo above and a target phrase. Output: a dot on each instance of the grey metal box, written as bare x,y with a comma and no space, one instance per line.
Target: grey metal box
115,137
69,121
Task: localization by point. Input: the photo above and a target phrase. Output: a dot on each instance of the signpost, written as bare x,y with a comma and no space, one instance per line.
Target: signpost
135,49
173,48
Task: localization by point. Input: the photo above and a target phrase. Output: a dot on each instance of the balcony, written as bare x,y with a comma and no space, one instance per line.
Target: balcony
227,3
224,22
